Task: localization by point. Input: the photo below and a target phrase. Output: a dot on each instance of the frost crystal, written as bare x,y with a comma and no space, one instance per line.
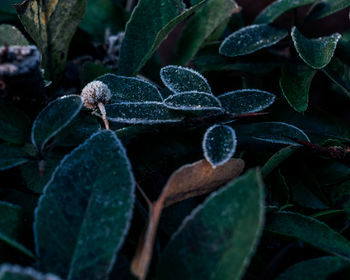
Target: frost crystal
94,93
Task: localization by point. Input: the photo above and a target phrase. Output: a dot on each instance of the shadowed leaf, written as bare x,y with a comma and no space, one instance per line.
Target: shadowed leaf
160,17
325,8
16,37
309,230
11,156
206,244
279,7
52,24
295,83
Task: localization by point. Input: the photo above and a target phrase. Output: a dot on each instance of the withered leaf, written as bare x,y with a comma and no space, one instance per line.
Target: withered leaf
188,181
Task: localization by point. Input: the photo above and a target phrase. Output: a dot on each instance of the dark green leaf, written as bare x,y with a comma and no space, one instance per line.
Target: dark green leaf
84,214
130,89
309,230
52,24
339,73
53,118
327,7
160,17
320,269
14,124
204,22
278,7
141,112
192,101
11,219
219,144
274,132
277,159
250,39
206,245
246,101
180,79
295,83
15,38
316,53
15,272
11,156
102,15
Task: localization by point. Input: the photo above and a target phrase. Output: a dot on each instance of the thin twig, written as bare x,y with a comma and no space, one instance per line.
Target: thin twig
103,113
145,197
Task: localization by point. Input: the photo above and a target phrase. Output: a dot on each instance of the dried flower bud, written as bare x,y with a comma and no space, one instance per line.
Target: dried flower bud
94,93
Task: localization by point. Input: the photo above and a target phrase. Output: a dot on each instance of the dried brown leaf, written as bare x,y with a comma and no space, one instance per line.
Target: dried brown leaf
188,181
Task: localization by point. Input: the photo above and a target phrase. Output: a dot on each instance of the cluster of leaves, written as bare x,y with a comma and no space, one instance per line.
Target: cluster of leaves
131,199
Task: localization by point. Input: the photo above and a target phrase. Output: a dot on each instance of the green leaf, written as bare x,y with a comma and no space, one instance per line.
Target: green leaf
180,79
16,272
203,24
193,101
141,113
325,8
277,159
246,101
160,17
16,37
250,39
102,15
11,219
339,73
316,53
14,124
206,245
219,144
274,132
11,157
84,214
92,71
130,89
53,118
295,83
52,24
320,269
279,7
309,230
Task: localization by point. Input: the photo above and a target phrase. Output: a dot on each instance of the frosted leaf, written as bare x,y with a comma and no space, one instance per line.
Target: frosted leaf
193,101
246,101
250,39
84,214
53,118
16,272
278,7
181,79
11,156
130,89
274,132
318,52
141,113
219,144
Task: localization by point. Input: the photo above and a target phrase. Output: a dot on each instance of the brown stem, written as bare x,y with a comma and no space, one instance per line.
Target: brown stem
103,113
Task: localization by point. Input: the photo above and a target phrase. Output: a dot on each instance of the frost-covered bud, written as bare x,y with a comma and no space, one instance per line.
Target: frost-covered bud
94,93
